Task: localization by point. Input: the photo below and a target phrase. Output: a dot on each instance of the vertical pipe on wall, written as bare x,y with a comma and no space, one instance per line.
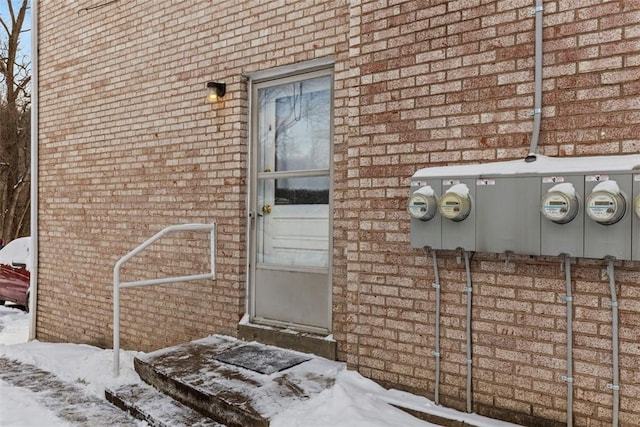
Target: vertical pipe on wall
537,100
468,289
33,293
249,206
615,386
569,377
436,351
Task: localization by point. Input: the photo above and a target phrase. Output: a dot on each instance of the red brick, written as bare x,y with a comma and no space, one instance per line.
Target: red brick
416,85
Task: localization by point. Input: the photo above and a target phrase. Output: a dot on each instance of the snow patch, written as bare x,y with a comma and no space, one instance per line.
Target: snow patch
425,190
353,401
543,165
17,251
460,189
565,188
608,186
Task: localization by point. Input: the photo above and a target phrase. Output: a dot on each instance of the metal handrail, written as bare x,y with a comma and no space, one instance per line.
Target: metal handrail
117,285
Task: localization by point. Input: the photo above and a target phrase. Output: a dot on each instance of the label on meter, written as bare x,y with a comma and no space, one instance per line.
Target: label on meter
552,179
636,206
596,178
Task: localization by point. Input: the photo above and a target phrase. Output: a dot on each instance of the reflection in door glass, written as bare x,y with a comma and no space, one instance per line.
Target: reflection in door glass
294,127
302,191
294,154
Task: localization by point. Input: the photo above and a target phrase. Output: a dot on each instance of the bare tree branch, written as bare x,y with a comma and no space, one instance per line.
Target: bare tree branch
15,128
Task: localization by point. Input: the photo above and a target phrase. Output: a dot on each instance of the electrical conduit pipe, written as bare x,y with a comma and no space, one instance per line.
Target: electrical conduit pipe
436,351
33,293
468,289
537,97
568,298
615,386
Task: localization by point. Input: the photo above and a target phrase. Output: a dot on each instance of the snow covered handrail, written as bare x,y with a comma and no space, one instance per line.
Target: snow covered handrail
117,285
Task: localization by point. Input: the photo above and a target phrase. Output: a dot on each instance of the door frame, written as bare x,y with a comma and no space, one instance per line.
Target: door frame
255,81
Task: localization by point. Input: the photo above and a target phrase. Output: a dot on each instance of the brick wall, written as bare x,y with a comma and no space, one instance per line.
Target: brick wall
447,82
128,145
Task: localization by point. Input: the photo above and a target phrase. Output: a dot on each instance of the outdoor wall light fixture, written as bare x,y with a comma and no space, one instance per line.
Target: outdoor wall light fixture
216,90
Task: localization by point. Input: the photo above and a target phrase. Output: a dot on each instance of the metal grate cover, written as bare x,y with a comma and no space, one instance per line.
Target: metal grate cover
261,359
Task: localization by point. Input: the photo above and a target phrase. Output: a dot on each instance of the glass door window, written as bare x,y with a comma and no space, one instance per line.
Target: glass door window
293,173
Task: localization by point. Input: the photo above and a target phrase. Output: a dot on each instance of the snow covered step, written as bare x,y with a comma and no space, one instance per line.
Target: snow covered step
234,382
157,409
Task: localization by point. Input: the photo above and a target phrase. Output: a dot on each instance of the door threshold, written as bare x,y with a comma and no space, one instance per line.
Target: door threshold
305,342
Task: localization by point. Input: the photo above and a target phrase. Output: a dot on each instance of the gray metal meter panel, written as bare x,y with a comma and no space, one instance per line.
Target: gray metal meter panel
611,236
508,215
635,221
426,233
459,233
559,234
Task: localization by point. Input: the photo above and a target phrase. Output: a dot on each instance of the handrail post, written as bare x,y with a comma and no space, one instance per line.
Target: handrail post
117,285
116,320
212,245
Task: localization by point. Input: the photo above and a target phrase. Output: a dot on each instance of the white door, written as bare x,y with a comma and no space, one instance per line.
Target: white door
290,230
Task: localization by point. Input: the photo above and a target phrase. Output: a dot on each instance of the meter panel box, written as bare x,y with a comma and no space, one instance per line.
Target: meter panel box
460,234
613,239
508,217
507,213
426,233
567,238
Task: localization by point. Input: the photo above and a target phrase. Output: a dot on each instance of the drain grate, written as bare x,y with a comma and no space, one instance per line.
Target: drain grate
261,359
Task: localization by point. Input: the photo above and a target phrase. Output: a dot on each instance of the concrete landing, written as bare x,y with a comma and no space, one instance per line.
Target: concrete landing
232,382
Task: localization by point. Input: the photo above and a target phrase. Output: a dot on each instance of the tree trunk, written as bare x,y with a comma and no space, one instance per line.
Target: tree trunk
15,144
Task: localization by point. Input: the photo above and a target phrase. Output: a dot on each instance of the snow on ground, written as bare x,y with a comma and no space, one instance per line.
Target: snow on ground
19,408
354,401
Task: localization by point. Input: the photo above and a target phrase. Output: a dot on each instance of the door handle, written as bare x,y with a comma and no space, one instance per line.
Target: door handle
266,209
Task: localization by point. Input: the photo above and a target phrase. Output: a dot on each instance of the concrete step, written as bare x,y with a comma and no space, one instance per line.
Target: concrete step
155,408
234,382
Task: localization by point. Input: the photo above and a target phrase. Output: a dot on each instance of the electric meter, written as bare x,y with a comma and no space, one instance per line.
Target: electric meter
422,203
560,204
455,203
606,204
636,205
